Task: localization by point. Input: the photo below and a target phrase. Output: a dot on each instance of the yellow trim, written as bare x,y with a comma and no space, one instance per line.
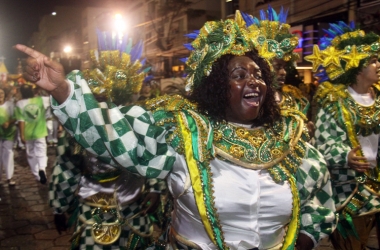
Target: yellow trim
350,130
195,178
292,232
109,179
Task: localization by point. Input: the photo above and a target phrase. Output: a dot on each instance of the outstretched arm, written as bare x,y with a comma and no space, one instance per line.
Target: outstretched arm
47,74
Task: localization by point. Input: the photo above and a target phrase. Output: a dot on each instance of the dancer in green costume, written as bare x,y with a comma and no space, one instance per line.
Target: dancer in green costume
347,127
241,173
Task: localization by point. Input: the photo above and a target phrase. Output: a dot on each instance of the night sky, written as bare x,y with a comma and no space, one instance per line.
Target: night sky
20,18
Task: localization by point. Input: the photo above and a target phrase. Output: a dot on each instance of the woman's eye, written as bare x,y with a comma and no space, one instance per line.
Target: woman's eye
239,75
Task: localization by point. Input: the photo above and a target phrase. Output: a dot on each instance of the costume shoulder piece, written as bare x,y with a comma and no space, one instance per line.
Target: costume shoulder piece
328,93
293,98
177,114
263,147
169,103
294,91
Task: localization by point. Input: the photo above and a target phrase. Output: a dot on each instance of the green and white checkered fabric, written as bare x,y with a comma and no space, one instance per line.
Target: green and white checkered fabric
62,193
126,136
318,218
64,181
332,141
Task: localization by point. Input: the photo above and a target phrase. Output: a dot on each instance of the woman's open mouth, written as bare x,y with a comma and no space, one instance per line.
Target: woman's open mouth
253,99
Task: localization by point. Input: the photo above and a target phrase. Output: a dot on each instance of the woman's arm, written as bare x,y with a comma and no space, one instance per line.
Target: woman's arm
125,136
318,218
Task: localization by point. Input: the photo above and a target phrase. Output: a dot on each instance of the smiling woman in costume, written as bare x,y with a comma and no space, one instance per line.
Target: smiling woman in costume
241,173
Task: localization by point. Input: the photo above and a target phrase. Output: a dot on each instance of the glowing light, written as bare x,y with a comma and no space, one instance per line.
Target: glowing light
119,23
67,49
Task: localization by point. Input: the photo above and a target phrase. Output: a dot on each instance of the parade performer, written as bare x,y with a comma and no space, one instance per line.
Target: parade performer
347,127
30,115
241,174
108,213
276,31
7,135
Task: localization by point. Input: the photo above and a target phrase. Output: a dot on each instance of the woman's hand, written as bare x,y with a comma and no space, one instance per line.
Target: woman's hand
45,73
150,202
357,163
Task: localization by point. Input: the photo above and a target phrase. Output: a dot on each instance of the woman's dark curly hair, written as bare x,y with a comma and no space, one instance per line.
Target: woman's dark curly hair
213,93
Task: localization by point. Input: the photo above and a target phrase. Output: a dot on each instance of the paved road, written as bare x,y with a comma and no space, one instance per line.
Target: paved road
26,220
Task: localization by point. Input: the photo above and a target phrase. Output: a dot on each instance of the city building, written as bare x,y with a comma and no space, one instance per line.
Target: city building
162,24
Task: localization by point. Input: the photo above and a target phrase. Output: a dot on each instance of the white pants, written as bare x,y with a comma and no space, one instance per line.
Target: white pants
37,156
52,127
6,158
17,140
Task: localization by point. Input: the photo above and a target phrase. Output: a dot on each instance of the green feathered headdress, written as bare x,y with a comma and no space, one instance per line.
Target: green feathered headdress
271,38
117,70
343,52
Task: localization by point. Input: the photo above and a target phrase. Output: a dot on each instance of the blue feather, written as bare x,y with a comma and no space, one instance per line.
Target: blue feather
143,61
146,70
247,18
263,15
324,42
275,16
148,78
285,16
123,44
344,25
256,21
101,40
329,32
337,28
192,35
352,25
184,59
188,46
128,47
270,13
136,51
281,15
322,75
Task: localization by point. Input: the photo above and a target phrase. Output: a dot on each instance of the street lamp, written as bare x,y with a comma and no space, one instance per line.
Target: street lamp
119,23
67,49
119,26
